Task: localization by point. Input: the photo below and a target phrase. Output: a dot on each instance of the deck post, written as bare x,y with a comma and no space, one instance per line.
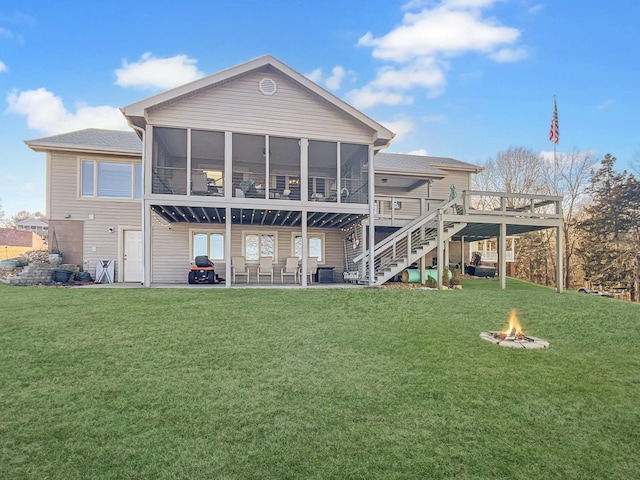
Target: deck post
440,260
447,246
462,256
372,214
146,252
305,247
363,248
502,255
559,263
227,247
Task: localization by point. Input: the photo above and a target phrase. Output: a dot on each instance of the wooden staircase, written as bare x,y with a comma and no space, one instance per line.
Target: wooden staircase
408,244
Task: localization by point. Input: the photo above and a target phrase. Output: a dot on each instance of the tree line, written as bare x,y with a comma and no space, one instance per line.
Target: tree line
601,208
18,217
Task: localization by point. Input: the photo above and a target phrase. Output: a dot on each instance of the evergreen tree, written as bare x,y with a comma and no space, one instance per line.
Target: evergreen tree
605,248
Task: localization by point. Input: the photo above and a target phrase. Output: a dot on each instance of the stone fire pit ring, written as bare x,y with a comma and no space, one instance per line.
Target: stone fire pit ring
526,342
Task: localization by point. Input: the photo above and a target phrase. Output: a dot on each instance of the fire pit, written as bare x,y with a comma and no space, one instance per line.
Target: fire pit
513,336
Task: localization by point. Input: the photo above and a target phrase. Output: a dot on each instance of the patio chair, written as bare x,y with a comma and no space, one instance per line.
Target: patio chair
265,268
238,268
312,267
199,183
290,269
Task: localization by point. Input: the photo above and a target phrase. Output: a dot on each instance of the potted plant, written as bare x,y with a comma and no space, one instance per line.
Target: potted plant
446,276
456,279
55,257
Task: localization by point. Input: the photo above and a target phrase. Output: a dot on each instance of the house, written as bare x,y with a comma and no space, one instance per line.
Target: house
258,161
35,225
14,243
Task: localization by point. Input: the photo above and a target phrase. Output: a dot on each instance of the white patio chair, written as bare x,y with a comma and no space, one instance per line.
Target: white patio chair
312,267
265,268
199,183
290,269
238,268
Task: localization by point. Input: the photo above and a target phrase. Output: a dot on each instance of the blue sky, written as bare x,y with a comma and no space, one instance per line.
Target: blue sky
457,78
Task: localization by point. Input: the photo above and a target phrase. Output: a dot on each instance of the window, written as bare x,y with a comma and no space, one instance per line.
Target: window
110,179
315,247
169,161
323,163
207,163
258,245
210,244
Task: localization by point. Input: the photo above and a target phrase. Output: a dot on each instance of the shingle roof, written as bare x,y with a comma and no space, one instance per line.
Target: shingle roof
32,222
92,139
420,163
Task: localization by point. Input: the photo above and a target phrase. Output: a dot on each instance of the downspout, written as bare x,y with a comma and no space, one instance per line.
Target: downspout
372,209
142,204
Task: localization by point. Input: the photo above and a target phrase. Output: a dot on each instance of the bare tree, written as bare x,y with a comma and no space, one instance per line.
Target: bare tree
2,219
572,180
516,170
25,215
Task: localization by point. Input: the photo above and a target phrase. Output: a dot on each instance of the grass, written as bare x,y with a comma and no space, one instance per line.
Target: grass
318,383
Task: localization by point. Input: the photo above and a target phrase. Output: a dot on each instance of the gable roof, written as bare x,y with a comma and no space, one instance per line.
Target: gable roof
391,162
135,112
32,222
90,140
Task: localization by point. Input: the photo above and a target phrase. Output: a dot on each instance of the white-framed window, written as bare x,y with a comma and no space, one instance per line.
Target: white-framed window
207,243
100,179
315,248
261,244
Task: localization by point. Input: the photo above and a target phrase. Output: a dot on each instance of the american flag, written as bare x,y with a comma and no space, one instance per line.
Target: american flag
554,131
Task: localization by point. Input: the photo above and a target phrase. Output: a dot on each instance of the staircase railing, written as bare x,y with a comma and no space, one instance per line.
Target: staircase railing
396,251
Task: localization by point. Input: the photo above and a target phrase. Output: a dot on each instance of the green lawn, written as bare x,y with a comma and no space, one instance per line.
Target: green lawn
316,384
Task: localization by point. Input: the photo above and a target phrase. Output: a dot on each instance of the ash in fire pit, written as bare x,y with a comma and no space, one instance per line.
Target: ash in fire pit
513,336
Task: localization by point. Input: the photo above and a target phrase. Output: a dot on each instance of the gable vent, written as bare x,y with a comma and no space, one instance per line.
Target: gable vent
267,86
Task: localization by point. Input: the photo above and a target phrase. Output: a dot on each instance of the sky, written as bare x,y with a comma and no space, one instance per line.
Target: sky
465,79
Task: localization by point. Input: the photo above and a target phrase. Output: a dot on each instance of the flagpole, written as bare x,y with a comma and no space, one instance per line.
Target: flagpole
555,168
554,136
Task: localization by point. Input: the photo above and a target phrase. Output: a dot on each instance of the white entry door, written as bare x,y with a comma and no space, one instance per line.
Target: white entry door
132,260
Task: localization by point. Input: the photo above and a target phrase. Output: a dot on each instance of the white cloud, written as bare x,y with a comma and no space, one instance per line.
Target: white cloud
3,67
507,55
419,50
401,128
334,81
315,76
440,31
337,74
158,73
46,112
536,8
367,96
9,35
608,103
434,119
423,72
420,151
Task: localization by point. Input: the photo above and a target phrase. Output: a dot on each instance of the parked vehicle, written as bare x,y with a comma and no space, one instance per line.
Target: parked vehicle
602,293
202,271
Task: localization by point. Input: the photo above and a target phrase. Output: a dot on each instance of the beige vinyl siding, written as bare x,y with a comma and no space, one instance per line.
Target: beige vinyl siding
66,205
442,188
240,107
171,260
